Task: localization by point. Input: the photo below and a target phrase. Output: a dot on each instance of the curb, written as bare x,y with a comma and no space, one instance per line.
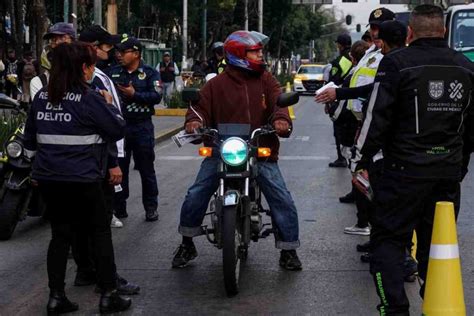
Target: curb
170,112
167,133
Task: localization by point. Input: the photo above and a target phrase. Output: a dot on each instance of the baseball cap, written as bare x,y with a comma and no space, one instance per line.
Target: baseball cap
380,15
392,31
98,34
129,43
166,54
344,40
60,28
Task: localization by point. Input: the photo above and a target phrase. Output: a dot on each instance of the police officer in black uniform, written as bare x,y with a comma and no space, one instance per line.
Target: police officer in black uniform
139,89
341,67
418,114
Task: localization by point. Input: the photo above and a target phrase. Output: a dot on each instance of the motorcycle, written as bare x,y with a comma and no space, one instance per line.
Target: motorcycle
18,197
236,208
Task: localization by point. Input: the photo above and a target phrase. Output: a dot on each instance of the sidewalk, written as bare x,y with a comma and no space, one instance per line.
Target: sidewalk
166,126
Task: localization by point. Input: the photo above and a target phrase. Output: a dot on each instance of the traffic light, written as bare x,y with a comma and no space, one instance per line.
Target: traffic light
348,19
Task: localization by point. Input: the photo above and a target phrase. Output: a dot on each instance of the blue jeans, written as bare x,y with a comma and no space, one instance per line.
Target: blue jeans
139,142
272,184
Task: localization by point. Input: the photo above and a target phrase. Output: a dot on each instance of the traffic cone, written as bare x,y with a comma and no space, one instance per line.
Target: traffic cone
290,108
443,289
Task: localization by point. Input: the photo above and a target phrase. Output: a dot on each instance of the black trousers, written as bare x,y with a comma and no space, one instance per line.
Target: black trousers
366,208
77,209
402,205
82,245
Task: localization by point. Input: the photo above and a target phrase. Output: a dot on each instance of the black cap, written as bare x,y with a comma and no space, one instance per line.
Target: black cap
129,43
98,34
344,39
60,28
366,36
392,31
380,15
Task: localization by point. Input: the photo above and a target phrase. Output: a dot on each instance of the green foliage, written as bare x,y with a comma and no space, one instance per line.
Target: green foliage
176,101
283,79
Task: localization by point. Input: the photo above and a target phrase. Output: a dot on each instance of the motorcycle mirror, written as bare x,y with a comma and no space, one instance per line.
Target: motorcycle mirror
288,99
190,95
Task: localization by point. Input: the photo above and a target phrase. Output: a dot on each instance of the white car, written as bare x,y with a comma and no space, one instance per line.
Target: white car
309,78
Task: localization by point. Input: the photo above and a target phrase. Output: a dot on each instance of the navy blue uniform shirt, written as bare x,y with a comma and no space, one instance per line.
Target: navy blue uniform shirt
145,81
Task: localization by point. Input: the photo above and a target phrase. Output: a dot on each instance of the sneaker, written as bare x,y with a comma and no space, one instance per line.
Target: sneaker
289,260
348,198
356,230
116,223
123,287
183,255
151,216
338,163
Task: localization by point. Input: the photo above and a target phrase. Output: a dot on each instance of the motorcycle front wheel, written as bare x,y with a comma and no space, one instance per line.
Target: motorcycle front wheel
9,206
230,250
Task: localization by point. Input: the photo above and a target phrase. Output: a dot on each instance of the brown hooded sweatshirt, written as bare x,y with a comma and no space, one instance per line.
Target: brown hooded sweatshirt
241,97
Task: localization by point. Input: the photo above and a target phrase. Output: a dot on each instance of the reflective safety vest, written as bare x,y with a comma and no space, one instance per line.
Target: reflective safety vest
345,65
221,66
364,74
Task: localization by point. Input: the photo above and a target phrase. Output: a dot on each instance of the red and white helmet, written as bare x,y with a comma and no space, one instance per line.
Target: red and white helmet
239,43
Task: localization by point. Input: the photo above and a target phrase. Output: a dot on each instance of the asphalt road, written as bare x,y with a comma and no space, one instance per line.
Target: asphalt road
333,280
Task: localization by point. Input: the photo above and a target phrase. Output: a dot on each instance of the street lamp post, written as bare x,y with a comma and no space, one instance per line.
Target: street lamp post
185,34
260,16
204,30
98,12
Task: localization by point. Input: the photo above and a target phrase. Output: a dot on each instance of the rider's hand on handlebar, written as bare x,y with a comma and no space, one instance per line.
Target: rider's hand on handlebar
191,126
282,127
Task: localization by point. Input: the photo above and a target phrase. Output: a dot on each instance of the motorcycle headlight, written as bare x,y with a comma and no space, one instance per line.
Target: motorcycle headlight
14,149
234,151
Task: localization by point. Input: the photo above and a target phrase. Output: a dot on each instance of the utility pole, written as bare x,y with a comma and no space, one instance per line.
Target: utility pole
74,14
112,16
204,30
311,44
66,11
260,16
98,12
246,14
185,34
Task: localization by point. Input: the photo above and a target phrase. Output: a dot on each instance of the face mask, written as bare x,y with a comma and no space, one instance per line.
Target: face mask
91,79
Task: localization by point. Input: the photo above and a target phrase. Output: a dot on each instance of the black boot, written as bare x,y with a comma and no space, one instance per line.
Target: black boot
59,304
111,302
84,278
348,198
365,247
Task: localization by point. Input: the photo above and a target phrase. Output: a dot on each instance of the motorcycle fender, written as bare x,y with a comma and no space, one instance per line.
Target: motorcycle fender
231,198
17,180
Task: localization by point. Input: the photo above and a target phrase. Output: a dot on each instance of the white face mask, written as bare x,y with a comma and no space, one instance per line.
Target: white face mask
91,79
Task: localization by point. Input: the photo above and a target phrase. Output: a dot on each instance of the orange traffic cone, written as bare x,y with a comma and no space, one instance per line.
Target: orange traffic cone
444,294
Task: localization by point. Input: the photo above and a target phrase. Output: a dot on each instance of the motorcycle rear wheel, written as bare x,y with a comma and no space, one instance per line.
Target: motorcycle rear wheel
230,250
9,205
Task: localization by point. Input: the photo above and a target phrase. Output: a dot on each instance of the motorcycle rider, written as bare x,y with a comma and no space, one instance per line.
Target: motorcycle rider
244,93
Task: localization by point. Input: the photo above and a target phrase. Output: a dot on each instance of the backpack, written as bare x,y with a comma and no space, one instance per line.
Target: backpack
29,71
